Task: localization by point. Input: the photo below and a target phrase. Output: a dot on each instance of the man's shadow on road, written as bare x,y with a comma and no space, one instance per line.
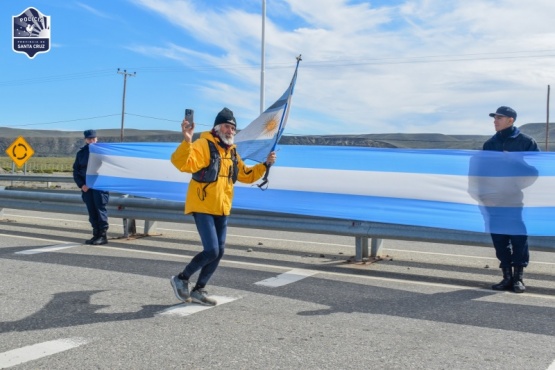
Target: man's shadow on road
70,309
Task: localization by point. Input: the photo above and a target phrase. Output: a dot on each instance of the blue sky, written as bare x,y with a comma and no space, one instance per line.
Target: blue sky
368,67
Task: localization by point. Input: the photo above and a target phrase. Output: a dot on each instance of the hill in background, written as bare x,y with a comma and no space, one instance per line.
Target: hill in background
52,143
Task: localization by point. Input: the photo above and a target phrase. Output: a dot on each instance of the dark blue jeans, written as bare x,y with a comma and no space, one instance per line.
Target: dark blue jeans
212,230
511,250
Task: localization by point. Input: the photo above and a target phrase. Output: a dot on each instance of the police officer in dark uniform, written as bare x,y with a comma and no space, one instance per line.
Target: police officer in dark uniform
511,249
96,200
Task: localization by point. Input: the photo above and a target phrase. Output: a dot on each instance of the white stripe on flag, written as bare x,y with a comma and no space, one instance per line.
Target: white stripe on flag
422,186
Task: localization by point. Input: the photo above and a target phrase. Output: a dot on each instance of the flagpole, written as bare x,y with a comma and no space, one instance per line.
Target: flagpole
286,112
547,123
262,57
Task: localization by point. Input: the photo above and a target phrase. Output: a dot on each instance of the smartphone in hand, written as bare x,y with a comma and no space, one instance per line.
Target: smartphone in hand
190,117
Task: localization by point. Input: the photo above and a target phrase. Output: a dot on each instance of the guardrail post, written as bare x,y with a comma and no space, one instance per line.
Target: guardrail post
375,247
2,209
361,246
150,227
125,229
129,227
128,223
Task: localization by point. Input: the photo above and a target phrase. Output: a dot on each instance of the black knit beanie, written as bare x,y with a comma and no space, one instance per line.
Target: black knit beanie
225,116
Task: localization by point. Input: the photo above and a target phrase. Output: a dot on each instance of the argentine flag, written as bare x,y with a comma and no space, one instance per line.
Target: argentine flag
480,191
260,137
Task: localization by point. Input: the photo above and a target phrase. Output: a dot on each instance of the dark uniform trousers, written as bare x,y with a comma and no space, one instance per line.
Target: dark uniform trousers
96,201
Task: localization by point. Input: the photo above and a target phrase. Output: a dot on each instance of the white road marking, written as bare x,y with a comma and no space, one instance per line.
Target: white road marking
31,238
39,350
49,218
339,274
286,278
51,248
186,309
459,255
342,274
296,241
552,366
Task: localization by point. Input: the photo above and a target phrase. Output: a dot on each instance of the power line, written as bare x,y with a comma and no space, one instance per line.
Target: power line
415,60
96,117
56,78
150,117
308,64
63,121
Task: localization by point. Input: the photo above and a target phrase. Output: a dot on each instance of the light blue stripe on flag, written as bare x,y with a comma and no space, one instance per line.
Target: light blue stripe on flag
462,190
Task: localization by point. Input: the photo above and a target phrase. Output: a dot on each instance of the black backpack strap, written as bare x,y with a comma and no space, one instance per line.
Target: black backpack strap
209,173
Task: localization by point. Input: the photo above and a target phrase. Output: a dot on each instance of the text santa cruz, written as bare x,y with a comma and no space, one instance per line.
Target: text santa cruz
35,44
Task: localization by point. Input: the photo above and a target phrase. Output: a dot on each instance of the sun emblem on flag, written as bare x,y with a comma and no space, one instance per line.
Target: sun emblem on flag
270,126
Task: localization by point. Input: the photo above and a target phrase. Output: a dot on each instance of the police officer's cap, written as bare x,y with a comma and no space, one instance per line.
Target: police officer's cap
89,134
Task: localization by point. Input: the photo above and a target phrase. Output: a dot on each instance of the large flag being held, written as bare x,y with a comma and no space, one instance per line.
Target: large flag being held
261,136
471,190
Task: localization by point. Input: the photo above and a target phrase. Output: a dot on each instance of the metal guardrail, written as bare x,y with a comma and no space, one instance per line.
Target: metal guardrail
36,178
364,232
128,224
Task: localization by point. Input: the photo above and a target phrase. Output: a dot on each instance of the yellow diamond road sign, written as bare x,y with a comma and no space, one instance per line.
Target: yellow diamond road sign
20,151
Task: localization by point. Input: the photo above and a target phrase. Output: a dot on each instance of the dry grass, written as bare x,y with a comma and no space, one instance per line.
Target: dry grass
40,164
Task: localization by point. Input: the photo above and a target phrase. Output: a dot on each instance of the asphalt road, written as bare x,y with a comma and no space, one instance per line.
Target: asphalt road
286,301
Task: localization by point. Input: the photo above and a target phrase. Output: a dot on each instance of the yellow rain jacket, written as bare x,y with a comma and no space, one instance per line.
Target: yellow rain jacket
213,198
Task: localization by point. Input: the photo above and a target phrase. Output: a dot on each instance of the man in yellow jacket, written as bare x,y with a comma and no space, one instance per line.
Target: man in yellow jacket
215,165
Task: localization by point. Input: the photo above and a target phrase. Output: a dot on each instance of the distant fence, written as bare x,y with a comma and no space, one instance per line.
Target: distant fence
39,165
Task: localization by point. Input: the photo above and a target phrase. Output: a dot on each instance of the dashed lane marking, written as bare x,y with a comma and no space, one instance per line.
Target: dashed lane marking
186,309
34,352
286,278
31,238
342,274
51,248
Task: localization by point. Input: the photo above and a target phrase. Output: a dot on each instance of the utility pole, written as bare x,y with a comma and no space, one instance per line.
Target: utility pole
262,64
547,123
125,74
128,224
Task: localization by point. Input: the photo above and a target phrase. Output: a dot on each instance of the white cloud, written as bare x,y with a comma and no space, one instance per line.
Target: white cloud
413,66
94,11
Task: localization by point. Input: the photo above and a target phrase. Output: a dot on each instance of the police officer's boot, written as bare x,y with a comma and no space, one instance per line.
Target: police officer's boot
507,282
518,284
101,239
96,234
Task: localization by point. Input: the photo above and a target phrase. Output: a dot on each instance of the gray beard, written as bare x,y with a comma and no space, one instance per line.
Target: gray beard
227,141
